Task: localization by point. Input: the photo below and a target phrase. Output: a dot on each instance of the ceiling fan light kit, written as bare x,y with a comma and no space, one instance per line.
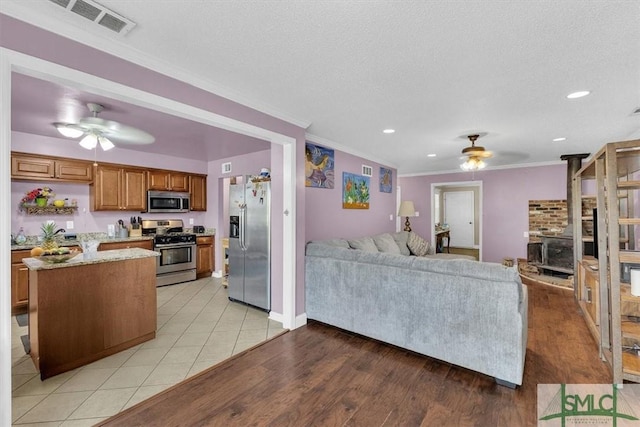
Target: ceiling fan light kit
475,155
96,131
91,141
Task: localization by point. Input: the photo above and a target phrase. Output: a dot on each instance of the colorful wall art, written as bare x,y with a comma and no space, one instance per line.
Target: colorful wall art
319,165
355,191
386,181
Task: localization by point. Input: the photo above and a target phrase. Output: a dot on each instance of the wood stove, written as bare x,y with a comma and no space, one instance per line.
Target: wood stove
557,251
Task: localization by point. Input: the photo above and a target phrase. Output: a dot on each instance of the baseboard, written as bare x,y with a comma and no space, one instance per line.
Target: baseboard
217,274
300,320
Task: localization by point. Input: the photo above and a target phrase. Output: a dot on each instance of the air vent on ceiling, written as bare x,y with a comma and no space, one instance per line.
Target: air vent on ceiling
98,14
367,170
226,167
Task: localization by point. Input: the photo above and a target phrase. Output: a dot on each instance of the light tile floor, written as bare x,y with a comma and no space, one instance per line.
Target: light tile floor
197,327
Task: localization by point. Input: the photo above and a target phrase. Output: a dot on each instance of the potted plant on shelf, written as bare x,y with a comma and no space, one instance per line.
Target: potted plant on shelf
38,196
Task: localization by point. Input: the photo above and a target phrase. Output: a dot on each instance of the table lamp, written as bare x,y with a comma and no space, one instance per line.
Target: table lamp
407,209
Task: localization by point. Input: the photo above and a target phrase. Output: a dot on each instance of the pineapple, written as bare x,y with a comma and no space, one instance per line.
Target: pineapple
48,236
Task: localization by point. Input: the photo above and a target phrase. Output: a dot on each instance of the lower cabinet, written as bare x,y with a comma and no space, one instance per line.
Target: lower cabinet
19,282
205,256
20,272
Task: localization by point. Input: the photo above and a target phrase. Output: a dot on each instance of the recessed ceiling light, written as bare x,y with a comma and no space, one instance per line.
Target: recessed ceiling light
388,131
431,155
559,139
578,94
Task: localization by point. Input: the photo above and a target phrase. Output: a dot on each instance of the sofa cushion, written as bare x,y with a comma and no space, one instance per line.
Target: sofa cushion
385,243
340,243
401,240
417,245
364,244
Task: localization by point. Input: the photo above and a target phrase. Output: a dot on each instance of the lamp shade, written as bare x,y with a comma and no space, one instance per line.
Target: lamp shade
407,209
89,142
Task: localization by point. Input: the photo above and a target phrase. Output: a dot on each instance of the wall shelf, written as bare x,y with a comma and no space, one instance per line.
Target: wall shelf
48,210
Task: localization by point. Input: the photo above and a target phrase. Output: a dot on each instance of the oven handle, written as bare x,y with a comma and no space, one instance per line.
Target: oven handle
173,245
243,219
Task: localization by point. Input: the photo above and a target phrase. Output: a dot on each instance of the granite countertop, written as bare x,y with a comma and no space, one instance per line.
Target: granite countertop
32,241
95,258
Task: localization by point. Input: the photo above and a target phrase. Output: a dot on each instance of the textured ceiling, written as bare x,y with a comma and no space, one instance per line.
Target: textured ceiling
433,70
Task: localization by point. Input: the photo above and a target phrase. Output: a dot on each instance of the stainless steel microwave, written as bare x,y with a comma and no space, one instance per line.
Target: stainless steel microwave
167,201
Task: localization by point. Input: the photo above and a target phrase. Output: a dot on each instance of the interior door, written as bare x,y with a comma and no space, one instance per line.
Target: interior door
459,214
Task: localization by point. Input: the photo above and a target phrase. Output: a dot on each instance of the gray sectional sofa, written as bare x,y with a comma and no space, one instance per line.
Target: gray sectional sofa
467,313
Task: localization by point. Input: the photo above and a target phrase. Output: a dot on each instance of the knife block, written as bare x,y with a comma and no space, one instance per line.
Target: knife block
135,232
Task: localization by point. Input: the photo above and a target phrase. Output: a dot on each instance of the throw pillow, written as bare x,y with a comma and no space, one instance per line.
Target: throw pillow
417,245
364,244
385,243
401,240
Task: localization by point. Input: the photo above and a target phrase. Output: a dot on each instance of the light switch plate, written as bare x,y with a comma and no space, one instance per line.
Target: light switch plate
69,225
190,221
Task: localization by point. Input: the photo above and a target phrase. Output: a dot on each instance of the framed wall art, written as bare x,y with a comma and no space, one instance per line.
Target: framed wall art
386,181
355,191
319,166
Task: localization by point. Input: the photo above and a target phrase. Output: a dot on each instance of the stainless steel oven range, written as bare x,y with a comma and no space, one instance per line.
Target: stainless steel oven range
177,260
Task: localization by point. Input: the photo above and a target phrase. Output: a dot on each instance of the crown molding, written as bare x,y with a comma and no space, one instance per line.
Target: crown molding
44,17
349,150
491,168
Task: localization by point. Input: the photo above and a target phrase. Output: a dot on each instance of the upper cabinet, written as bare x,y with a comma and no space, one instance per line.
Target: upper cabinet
119,188
168,181
113,187
33,167
198,192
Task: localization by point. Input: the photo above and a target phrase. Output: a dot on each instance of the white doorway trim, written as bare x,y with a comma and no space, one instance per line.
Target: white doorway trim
11,61
470,184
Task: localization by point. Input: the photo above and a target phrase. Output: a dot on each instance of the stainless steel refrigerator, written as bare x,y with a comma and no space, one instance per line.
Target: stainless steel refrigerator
250,244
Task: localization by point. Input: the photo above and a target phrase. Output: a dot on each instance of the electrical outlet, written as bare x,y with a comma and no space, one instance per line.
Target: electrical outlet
69,225
190,221
526,234
391,217
417,213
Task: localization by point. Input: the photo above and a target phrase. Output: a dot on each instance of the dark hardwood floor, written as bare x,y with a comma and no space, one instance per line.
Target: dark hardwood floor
321,376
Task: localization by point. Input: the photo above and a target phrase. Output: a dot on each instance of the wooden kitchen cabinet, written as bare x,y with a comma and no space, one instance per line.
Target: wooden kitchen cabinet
143,244
198,192
33,167
168,181
119,188
205,256
19,282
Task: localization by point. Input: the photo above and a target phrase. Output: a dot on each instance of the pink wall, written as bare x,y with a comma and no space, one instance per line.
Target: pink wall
33,41
325,218
505,197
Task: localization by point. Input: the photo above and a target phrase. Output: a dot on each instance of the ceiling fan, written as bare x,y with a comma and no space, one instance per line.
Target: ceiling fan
99,131
475,155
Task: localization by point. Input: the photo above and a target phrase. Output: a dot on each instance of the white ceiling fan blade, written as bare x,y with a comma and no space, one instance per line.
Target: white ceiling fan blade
116,131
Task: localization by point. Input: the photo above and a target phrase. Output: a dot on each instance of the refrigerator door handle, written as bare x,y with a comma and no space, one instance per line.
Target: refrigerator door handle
243,219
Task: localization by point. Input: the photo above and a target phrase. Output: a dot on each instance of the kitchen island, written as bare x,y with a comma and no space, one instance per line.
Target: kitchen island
90,307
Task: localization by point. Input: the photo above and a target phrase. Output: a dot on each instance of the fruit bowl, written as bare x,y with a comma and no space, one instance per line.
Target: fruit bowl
57,258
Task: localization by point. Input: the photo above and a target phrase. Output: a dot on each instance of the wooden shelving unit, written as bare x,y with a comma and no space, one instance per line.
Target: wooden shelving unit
612,313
